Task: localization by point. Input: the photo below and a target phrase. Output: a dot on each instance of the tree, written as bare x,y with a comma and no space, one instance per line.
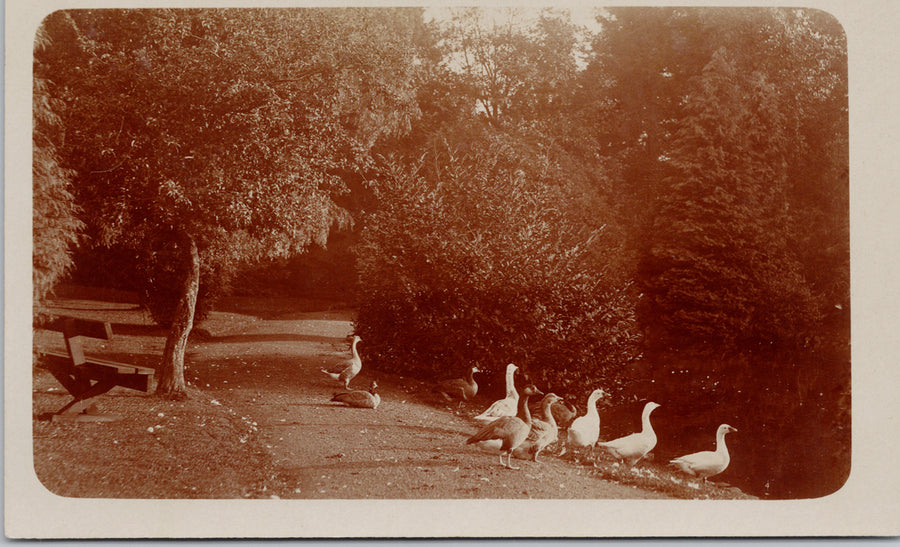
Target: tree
55,222
516,68
220,136
732,303
721,271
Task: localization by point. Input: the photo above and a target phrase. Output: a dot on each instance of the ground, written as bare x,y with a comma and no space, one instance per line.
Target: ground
260,424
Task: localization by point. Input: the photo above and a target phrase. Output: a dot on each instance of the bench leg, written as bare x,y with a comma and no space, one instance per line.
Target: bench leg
73,382
82,410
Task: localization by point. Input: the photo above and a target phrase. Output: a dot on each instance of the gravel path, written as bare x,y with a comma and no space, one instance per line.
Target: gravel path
411,447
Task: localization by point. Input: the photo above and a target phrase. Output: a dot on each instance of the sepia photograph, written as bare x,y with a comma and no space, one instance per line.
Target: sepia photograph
433,270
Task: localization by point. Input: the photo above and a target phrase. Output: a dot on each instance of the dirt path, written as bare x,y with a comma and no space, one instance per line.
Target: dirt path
260,423
268,372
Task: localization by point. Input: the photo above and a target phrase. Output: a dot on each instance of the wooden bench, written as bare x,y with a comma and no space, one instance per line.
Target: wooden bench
87,377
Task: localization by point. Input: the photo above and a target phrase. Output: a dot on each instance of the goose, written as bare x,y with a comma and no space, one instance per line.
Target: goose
708,463
563,413
632,448
459,388
351,368
359,398
510,430
585,430
543,432
506,406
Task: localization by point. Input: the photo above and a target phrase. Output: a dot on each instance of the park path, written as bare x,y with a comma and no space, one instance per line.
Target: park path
267,370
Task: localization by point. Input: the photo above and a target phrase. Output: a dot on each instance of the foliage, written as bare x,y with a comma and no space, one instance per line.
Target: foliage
669,221
231,128
736,298
210,123
516,70
54,215
160,275
721,271
481,255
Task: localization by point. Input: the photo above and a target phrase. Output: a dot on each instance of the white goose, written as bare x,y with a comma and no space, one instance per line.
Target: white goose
506,406
708,463
632,448
351,367
585,430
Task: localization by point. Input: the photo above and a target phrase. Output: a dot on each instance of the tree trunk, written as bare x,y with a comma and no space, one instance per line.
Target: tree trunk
171,384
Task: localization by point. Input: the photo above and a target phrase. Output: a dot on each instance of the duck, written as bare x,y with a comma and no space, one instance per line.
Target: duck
351,367
510,430
632,448
543,432
585,430
359,398
463,389
707,463
506,406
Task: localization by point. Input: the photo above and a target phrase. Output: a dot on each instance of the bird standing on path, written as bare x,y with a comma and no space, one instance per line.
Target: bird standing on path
632,448
351,367
510,430
359,398
564,413
543,432
508,405
708,463
585,430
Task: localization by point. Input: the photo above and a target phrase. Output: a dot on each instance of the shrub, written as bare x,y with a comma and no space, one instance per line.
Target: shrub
484,254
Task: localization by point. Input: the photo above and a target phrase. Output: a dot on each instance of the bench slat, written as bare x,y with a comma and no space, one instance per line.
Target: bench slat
122,368
134,380
129,376
72,326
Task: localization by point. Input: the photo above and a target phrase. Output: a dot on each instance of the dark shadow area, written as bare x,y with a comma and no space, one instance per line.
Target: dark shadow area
281,308
148,360
95,305
133,329
242,338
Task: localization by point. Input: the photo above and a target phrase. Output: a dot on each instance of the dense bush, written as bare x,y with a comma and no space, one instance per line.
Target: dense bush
55,224
480,254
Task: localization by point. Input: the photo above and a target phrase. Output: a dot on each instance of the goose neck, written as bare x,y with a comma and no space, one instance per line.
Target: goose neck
510,383
645,420
524,413
548,413
720,443
592,403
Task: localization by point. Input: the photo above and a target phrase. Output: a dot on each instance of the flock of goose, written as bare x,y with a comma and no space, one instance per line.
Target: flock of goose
508,425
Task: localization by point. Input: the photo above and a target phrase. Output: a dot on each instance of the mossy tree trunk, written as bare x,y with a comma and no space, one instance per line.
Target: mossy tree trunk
171,384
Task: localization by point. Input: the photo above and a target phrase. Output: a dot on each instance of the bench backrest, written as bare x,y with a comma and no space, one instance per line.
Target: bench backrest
72,328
